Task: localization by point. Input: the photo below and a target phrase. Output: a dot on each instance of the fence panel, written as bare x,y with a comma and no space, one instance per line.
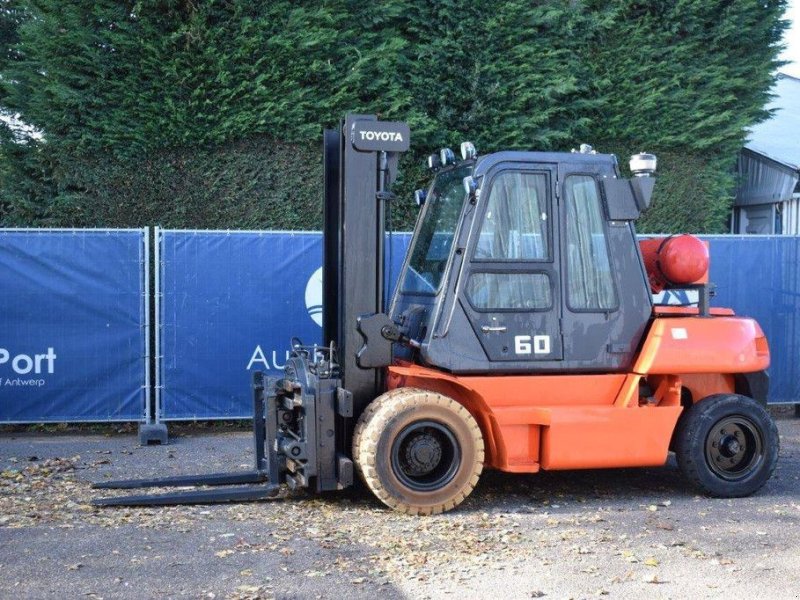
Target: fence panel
73,325
759,276
229,304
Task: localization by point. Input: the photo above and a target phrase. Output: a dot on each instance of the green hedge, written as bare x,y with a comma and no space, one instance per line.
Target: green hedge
263,184
167,111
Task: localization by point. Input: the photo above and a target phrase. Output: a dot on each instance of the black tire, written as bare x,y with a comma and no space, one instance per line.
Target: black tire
419,452
727,445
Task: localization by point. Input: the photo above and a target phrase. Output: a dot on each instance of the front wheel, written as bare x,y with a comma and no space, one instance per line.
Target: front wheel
418,451
727,445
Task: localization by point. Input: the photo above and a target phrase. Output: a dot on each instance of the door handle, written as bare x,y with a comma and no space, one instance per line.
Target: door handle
488,328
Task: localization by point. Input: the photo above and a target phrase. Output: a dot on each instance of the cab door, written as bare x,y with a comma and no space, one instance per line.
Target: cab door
512,292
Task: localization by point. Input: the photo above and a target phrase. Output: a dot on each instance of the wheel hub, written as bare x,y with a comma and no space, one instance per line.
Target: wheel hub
731,447
734,448
425,456
423,453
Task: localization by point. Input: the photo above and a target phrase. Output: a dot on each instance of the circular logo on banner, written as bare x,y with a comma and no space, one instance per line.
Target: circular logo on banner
314,296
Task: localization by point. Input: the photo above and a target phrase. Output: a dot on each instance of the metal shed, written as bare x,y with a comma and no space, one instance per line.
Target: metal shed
768,168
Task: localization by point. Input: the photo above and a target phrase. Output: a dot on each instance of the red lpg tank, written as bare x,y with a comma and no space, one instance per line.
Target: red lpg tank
675,261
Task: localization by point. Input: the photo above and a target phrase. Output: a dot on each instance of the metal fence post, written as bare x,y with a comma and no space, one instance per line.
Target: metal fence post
152,430
158,239
148,418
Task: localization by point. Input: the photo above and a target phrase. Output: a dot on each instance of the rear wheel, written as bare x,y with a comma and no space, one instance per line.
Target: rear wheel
727,445
418,451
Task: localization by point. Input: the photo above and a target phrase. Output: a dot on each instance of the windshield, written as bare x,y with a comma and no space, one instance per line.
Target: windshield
434,238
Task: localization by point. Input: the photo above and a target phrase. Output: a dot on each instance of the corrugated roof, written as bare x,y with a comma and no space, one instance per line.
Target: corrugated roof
779,137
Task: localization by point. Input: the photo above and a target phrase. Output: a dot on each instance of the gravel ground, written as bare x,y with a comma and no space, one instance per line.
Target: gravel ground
631,533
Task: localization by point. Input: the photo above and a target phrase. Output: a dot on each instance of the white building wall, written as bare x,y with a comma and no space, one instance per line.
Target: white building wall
790,216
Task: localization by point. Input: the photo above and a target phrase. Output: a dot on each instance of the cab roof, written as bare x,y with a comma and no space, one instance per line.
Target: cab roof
603,161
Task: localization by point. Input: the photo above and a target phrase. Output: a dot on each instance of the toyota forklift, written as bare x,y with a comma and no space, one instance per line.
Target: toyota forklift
521,336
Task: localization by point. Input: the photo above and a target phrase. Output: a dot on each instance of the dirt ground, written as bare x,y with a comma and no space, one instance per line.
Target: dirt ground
633,533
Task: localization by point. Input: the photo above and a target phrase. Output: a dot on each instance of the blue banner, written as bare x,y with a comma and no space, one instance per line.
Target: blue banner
72,325
759,277
73,313
230,304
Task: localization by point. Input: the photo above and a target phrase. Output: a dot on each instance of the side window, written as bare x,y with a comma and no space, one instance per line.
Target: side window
515,225
509,291
590,285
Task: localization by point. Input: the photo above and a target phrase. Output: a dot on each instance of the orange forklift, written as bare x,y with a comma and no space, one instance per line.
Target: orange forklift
521,336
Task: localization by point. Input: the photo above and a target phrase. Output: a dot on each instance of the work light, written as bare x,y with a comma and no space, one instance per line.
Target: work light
420,196
643,164
468,150
447,156
434,162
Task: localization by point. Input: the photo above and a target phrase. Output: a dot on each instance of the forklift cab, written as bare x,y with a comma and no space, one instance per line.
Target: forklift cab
524,262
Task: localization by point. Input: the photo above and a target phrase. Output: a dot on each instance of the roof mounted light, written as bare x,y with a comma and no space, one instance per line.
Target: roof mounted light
468,151
420,196
643,164
447,156
434,162
584,149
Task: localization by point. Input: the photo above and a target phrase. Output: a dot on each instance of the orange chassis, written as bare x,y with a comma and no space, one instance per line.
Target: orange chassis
583,421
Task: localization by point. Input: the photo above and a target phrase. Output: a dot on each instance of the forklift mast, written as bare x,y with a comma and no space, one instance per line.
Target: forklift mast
360,162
